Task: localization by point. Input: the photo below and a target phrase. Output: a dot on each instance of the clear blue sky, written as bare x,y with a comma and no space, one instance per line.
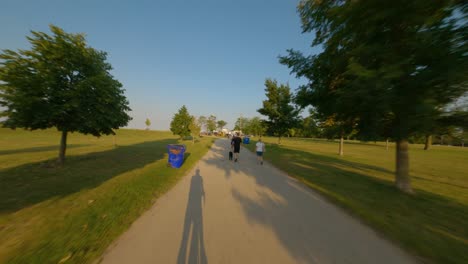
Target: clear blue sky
211,55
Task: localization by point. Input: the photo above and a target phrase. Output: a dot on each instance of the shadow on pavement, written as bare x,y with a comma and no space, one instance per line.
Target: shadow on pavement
194,221
313,231
221,160
279,205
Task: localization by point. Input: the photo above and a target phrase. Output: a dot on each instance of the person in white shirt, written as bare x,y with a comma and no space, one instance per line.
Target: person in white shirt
260,149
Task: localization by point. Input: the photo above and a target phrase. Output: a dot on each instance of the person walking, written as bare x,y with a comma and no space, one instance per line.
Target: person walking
260,149
236,141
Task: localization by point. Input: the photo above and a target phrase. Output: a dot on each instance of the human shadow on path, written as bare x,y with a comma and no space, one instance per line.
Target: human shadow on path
194,221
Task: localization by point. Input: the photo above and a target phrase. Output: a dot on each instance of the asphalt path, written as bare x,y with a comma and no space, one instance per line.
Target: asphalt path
244,212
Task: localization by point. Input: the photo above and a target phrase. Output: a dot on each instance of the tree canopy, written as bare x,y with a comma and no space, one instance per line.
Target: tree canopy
61,82
309,126
195,128
148,123
180,124
282,114
256,126
401,68
241,123
221,124
211,123
202,122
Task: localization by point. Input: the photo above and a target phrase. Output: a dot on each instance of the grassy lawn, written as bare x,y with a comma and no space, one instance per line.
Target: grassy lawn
432,224
72,213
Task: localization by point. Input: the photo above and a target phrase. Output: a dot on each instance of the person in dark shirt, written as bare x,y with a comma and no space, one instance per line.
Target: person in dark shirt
236,142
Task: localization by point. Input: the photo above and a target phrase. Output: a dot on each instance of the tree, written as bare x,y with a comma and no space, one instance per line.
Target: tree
309,125
292,132
335,128
408,62
241,124
195,128
61,82
282,115
211,123
256,126
221,124
202,122
253,125
147,123
451,123
180,124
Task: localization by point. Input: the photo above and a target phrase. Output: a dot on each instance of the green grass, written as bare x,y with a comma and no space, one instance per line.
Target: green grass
74,212
432,224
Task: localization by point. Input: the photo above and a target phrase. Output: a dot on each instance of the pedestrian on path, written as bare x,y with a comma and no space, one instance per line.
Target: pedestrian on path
236,141
260,149
231,149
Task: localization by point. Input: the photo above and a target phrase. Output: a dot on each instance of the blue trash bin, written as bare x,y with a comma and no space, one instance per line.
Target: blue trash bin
246,140
176,155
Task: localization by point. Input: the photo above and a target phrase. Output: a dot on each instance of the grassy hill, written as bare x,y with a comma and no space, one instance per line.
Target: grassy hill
432,224
72,213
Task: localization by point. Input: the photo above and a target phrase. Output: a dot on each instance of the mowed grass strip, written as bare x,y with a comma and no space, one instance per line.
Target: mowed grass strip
431,224
72,213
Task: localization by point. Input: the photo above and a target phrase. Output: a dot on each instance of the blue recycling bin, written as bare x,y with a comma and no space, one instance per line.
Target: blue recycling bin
246,140
176,155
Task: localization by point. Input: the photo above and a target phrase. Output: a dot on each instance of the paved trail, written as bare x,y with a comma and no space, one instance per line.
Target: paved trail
225,212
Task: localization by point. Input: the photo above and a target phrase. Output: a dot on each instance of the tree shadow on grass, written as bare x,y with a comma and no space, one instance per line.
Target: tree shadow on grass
379,144
329,160
440,182
429,224
29,184
39,149
186,156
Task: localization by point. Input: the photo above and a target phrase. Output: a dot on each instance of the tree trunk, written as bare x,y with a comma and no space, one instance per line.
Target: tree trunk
428,143
386,144
402,178
279,140
63,147
341,144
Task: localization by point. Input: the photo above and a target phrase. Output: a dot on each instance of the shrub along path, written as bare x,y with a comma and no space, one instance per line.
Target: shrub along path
226,212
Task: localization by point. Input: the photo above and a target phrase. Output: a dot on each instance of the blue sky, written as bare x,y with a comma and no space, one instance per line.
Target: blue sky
212,56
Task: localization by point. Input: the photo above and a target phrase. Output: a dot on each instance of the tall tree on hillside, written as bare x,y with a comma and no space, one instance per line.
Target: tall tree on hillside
180,124
211,123
147,123
407,62
61,82
282,114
